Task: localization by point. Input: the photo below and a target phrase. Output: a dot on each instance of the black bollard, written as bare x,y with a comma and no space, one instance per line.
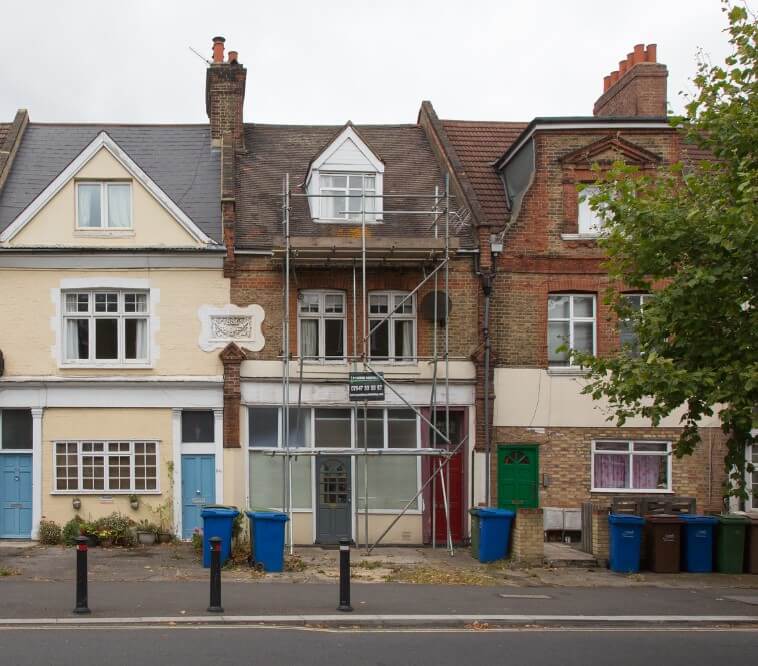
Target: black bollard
345,576
215,606
81,576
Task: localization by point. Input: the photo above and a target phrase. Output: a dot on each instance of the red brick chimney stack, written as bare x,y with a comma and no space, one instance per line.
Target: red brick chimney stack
637,88
225,96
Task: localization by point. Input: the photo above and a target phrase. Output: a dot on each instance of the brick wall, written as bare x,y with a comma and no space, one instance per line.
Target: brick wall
600,534
528,537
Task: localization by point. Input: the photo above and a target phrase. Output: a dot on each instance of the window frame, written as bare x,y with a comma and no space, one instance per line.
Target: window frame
91,315
390,317
631,453
385,427
104,214
646,296
106,454
588,190
751,504
571,320
321,317
28,449
370,217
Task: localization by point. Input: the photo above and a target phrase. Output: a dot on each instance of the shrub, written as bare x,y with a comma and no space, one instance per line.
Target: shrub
50,533
115,526
71,530
197,540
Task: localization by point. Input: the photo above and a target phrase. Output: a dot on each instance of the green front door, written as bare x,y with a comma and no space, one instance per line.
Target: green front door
517,475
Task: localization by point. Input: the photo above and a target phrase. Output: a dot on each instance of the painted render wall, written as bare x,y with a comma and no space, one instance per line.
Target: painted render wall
104,424
28,335
55,224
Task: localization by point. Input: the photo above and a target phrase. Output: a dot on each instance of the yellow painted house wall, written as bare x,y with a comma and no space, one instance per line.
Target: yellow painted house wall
104,424
30,320
55,224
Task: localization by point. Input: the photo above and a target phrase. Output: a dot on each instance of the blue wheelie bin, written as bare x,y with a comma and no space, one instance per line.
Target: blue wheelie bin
697,542
491,533
267,539
217,521
625,542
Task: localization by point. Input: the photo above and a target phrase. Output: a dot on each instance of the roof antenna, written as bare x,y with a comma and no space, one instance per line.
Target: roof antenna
201,56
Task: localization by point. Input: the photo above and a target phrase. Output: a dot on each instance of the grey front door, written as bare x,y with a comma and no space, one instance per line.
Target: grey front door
333,519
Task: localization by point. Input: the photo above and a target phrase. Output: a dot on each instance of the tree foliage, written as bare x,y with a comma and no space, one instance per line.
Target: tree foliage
688,233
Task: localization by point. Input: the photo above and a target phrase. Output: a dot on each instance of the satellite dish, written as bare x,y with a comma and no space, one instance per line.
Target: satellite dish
444,306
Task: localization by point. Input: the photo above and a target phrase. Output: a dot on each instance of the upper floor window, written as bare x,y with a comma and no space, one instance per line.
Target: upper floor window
627,331
393,315
590,222
103,205
321,319
344,194
570,321
108,327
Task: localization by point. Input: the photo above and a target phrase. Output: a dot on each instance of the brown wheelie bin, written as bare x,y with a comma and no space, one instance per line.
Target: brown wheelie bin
664,543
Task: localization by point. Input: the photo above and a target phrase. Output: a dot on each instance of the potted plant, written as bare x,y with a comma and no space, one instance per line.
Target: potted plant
134,501
146,533
164,513
90,531
106,538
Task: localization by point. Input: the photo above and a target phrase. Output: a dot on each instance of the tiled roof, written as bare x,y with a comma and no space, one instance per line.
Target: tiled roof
178,158
4,128
478,145
274,150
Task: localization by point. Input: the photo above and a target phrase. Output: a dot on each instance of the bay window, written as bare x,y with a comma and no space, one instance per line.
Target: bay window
392,318
103,205
570,321
105,327
97,466
631,466
321,323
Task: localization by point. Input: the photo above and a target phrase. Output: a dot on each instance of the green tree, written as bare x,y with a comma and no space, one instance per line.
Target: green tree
688,233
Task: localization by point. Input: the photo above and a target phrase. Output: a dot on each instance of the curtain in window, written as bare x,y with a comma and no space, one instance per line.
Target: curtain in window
611,471
118,206
309,337
89,205
404,339
649,472
77,339
136,338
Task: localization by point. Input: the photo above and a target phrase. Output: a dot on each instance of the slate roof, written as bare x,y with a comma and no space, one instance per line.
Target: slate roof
178,158
4,127
478,144
274,150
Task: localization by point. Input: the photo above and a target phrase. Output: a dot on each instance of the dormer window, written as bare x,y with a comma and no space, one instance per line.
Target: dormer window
342,196
103,205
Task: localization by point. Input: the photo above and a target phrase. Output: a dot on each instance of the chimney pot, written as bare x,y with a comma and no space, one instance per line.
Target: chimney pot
622,67
218,49
614,76
232,57
651,55
606,83
639,53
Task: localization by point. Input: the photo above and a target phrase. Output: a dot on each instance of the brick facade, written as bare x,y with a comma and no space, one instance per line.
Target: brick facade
527,546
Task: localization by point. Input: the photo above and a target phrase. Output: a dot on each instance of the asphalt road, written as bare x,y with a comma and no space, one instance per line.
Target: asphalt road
244,645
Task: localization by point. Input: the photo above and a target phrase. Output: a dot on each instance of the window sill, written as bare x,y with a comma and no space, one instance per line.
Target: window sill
106,493
630,491
339,220
567,372
580,237
103,366
105,233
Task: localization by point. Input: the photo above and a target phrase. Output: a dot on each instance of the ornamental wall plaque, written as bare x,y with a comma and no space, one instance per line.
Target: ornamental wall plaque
221,325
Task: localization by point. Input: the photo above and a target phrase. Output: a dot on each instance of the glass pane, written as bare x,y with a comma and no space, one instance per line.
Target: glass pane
106,302
401,425
355,182
135,338
135,302
628,337
267,481
650,472
392,482
309,338
77,303
300,427
309,302
369,183
660,447
379,343
611,470
77,339
374,427
584,306
583,336
119,474
264,426
119,205
403,304
17,428
557,307
334,181
378,304
589,221
106,338
403,340
334,338
611,446
333,428
89,205
557,335
197,426
334,303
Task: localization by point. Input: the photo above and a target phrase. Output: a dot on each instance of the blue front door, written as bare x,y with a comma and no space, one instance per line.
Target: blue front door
15,496
198,489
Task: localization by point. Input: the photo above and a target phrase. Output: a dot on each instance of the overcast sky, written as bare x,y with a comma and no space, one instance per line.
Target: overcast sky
326,62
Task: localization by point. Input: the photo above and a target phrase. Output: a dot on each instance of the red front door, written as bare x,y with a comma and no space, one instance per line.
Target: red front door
454,481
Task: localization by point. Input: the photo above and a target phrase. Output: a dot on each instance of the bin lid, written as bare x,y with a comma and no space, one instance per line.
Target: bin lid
492,512
218,511
625,519
732,519
698,520
667,518
267,515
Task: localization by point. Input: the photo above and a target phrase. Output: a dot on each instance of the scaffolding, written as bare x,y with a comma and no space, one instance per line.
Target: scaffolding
440,456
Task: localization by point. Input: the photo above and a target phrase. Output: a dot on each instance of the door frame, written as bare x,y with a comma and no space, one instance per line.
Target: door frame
352,498
30,454
525,445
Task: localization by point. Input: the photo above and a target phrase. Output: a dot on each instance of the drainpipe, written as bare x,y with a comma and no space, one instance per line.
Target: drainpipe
487,289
